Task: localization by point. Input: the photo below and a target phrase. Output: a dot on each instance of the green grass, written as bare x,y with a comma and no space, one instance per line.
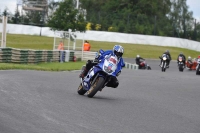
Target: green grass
46,43
55,66
130,50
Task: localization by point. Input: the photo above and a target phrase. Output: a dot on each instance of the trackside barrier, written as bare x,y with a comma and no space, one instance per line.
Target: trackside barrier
85,55
131,66
66,55
12,55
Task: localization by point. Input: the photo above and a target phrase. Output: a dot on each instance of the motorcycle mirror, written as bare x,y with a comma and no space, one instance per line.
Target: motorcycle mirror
101,51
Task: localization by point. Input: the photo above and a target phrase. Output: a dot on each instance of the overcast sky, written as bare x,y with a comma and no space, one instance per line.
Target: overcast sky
194,5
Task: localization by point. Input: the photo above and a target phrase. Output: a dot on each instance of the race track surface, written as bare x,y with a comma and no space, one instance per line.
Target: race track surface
146,101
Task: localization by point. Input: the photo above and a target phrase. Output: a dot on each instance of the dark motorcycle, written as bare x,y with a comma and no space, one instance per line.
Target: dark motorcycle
180,64
198,67
163,65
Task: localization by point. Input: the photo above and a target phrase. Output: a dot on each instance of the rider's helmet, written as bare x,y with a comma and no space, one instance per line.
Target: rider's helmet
189,58
118,50
167,51
198,57
138,56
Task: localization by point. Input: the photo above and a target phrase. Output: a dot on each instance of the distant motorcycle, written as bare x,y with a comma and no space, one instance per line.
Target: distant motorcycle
163,65
198,67
144,65
180,64
191,64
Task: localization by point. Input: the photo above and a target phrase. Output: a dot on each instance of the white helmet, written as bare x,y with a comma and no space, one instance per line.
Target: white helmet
138,56
189,58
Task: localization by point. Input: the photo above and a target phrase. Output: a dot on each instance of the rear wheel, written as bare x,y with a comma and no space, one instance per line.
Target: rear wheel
80,90
95,87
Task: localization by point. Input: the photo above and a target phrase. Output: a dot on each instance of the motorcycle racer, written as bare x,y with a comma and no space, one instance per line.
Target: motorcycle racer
168,59
183,56
117,51
138,60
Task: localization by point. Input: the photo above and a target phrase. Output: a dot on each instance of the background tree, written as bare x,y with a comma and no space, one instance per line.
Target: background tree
67,17
52,6
16,18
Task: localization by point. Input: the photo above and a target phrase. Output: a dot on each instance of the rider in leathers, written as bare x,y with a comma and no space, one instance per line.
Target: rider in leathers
168,60
118,51
138,60
183,57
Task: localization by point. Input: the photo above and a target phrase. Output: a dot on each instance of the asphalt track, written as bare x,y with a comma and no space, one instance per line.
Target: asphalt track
146,101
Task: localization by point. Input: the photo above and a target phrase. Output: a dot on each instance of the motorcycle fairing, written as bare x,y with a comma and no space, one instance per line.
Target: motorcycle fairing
91,73
107,65
198,63
180,58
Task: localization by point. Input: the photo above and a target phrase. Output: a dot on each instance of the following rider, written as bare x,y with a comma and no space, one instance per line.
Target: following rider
138,60
183,57
168,58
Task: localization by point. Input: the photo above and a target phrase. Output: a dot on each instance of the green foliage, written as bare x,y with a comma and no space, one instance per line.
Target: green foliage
149,17
67,17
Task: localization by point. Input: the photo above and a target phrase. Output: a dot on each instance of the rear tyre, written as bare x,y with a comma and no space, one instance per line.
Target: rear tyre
80,90
95,87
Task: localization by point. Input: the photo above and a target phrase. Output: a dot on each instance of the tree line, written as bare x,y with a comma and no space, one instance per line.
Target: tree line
170,18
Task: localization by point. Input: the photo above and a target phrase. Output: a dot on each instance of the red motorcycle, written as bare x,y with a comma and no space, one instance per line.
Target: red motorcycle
191,64
144,65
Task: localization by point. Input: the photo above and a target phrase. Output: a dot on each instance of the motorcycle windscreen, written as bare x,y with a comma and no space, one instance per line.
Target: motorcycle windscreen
180,58
164,57
110,65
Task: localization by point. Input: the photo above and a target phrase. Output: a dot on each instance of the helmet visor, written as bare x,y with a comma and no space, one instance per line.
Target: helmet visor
118,54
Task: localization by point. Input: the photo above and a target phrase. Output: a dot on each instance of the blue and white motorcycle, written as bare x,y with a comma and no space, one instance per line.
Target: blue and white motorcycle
98,76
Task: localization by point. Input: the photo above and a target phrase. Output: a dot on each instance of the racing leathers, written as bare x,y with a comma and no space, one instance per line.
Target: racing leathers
168,58
183,57
138,61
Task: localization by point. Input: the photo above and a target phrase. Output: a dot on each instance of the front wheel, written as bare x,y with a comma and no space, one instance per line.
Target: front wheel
95,87
198,70
80,90
148,68
163,66
181,68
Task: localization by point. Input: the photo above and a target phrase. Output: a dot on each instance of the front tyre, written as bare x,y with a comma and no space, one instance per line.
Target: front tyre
198,70
181,68
95,87
80,90
163,66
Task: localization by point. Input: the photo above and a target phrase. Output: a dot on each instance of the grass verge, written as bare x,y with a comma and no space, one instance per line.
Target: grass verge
46,43
54,66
